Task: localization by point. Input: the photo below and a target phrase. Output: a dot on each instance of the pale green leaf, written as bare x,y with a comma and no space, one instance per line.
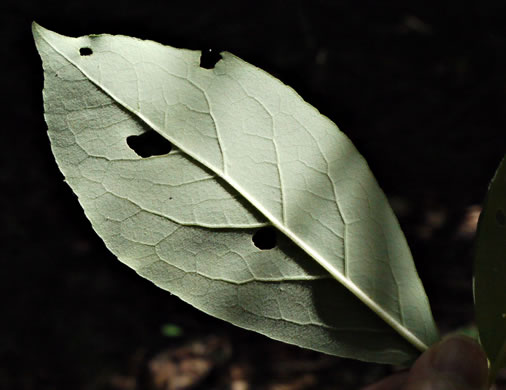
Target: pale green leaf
249,153
490,272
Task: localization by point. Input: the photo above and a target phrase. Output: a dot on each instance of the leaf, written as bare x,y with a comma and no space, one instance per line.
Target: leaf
172,330
490,272
248,153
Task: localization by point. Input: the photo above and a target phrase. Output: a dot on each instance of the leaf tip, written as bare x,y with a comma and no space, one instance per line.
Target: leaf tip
39,31
36,28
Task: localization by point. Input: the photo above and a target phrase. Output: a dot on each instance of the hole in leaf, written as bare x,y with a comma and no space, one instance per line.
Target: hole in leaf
85,51
265,238
209,58
500,217
149,144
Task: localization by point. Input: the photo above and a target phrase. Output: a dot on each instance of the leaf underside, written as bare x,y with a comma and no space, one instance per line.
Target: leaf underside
247,153
490,272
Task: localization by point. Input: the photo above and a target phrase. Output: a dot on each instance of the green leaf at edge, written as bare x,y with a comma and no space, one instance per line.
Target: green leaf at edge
490,272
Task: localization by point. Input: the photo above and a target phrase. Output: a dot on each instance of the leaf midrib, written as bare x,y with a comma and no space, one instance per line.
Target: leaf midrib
336,274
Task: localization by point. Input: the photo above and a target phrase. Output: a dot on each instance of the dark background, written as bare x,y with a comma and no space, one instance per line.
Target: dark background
419,87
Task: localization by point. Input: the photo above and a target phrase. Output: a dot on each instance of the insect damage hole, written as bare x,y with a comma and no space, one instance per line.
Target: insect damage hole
149,144
209,58
85,51
265,238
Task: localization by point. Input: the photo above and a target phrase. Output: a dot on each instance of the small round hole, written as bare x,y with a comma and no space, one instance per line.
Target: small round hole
265,238
209,58
85,51
500,217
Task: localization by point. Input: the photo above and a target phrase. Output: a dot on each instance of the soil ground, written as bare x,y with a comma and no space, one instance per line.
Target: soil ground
419,87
